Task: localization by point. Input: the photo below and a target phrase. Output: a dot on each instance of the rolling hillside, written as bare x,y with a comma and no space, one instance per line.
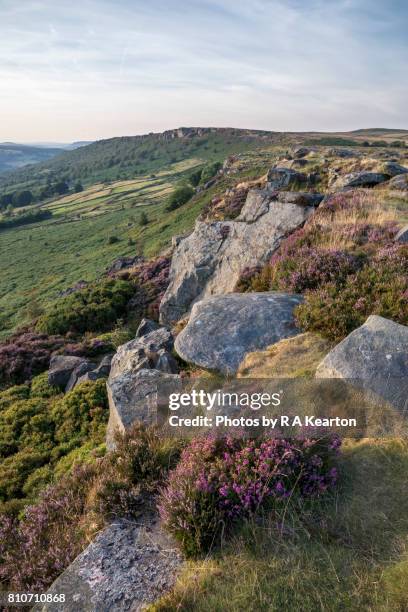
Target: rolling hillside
14,156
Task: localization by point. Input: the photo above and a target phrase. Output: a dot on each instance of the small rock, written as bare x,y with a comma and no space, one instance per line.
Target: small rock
301,152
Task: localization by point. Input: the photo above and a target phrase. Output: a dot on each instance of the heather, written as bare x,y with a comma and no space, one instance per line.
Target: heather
221,481
345,551
307,268
26,354
39,427
380,288
345,263
36,547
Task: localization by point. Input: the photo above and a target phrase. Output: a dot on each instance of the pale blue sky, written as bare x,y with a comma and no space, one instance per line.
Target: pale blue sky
90,69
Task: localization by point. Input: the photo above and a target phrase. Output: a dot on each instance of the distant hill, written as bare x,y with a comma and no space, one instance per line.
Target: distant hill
126,157
13,156
129,157
379,132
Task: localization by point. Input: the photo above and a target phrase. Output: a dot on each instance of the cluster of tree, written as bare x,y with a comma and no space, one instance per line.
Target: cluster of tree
25,197
205,174
33,216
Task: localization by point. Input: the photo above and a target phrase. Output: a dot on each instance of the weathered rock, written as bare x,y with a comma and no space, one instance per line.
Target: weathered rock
283,178
61,368
133,396
393,169
402,235
141,352
359,179
373,357
166,362
300,152
126,567
102,371
79,372
146,326
302,198
210,260
222,329
399,182
335,152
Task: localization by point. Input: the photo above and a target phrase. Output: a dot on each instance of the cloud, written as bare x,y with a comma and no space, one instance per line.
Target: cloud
100,68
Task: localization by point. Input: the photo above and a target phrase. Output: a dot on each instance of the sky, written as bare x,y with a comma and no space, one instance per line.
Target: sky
90,69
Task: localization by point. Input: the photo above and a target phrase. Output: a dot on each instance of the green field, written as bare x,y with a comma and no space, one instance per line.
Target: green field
39,260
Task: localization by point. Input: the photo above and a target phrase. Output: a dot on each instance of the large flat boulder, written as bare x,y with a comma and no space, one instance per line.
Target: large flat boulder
373,357
284,178
126,567
211,259
358,179
223,329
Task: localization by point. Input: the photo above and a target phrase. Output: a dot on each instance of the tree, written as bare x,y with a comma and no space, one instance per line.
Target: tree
195,177
61,187
144,219
6,200
22,198
180,196
78,187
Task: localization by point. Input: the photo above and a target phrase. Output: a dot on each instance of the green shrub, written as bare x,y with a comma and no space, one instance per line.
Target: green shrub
37,431
94,308
209,171
180,196
113,239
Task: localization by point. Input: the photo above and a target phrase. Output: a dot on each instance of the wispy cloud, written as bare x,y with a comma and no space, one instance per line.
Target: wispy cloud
104,67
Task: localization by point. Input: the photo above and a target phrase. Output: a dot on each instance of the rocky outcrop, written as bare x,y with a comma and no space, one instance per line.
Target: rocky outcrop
358,179
126,567
373,357
139,370
344,153
222,329
392,169
210,260
61,368
284,178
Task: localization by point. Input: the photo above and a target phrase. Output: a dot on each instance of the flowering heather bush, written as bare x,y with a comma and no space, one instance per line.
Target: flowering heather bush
26,354
380,288
153,277
308,268
220,481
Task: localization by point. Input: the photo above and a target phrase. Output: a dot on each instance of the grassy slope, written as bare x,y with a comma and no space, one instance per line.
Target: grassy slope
351,554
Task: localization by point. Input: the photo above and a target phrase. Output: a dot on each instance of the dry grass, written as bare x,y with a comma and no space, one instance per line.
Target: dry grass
348,553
